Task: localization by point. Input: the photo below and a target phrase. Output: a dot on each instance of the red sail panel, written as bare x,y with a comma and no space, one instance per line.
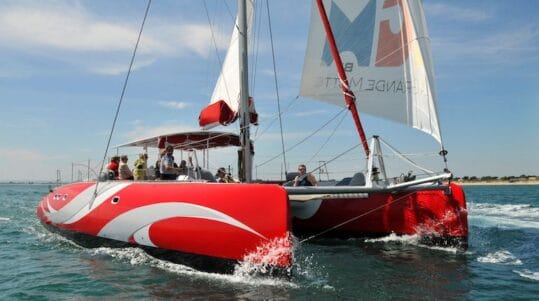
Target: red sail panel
216,113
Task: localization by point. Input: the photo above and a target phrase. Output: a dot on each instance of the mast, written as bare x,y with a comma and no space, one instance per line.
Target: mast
348,94
246,160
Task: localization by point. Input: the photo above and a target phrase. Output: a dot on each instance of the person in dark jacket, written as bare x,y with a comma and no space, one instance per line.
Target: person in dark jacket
304,178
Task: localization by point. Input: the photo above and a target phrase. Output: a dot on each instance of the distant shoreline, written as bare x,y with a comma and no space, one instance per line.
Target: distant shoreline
462,183
31,183
497,183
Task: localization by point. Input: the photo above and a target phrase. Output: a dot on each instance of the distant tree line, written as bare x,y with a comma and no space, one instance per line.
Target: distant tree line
522,177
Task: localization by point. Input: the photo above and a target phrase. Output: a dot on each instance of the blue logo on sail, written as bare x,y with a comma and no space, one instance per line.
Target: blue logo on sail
357,36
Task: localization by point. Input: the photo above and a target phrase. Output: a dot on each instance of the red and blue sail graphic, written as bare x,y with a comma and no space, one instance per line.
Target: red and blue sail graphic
385,51
389,51
358,29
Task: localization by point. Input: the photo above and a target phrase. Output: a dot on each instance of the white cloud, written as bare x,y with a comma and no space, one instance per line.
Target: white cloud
456,13
178,39
177,105
518,46
63,30
115,68
15,155
515,43
33,166
310,113
64,27
523,40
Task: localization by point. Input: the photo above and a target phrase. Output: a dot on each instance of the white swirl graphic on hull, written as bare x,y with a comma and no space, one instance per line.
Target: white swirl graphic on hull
136,222
78,207
142,236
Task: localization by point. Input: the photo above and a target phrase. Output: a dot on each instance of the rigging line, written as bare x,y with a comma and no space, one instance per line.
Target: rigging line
327,140
124,88
338,156
355,218
293,102
276,87
230,13
257,11
216,52
429,154
255,41
307,137
200,141
406,158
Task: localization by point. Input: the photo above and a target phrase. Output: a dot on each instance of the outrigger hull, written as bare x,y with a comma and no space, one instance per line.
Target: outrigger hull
437,214
208,226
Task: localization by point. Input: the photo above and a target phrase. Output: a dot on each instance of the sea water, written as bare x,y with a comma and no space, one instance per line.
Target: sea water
502,262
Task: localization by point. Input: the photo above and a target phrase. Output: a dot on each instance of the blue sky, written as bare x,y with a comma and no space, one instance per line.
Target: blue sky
63,63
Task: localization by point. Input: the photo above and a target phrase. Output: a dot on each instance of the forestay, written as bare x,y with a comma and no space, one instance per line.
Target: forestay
386,53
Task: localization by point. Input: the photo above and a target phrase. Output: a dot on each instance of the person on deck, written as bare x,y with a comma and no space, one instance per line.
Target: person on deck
223,177
139,172
113,168
157,170
304,178
167,170
182,169
124,170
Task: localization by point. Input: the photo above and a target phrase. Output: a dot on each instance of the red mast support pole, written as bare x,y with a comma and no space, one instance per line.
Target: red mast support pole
348,94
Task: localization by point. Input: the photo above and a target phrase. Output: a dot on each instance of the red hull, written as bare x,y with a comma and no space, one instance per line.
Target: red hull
246,222
430,213
228,221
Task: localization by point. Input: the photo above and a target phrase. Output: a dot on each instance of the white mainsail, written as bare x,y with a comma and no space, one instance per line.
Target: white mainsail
386,53
226,94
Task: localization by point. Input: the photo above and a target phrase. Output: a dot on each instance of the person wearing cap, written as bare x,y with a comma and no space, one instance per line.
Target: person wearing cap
167,170
139,172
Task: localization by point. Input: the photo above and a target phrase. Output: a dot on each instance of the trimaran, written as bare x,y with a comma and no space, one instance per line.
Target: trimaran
368,63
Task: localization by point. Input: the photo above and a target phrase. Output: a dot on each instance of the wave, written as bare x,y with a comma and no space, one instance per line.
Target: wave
500,257
136,256
309,271
305,270
528,274
503,215
4,218
414,240
50,237
404,239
